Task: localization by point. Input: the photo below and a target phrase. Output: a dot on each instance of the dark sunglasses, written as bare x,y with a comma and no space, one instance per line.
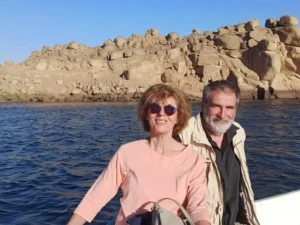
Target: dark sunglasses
155,108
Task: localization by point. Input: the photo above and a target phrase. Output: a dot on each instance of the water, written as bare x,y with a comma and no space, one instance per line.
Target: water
51,154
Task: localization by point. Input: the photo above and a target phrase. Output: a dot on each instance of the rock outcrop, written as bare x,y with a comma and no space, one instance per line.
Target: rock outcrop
259,59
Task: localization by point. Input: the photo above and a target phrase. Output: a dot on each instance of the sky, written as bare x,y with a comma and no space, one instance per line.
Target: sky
26,26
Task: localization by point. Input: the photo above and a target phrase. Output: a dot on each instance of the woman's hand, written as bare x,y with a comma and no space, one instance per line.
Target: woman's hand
76,220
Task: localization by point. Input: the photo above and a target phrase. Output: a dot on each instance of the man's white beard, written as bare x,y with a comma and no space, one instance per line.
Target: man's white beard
215,127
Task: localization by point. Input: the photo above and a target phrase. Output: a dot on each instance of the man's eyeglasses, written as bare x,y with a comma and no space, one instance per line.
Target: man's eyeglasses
154,108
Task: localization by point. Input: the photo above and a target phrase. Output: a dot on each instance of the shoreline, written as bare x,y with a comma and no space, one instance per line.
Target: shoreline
108,99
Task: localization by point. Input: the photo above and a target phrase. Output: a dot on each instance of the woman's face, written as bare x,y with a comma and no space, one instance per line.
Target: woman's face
162,116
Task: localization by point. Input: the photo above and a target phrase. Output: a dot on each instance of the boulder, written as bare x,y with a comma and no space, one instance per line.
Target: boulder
138,52
288,67
293,49
128,53
234,54
197,31
83,64
108,43
173,37
244,45
193,58
257,35
120,42
276,38
116,55
152,32
252,43
266,64
76,91
181,68
267,45
288,21
8,63
97,62
239,68
296,61
37,81
110,46
174,54
55,65
240,28
103,53
283,88
208,59
252,25
223,30
170,76
134,41
59,82
73,45
194,37
29,62
148,72
209,72
42,65
82,47
58,47
228,41
289,35
271,23
195,46
69,67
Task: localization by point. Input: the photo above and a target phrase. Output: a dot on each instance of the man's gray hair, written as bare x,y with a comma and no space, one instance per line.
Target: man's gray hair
222,85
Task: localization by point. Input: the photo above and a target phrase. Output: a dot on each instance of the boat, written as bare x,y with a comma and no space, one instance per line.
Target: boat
279,209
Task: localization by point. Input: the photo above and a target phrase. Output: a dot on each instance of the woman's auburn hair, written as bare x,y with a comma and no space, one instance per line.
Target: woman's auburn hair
160,92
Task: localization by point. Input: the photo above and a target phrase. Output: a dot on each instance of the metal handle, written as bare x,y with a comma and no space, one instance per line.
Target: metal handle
185,213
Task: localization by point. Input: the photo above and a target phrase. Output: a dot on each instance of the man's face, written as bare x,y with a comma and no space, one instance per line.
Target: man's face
219,112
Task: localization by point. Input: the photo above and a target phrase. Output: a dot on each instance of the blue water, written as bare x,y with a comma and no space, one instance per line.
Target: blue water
51,154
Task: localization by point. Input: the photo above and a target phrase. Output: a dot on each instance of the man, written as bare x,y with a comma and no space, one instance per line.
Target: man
220,140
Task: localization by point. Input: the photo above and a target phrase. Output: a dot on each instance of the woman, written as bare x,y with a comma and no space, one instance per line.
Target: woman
153,168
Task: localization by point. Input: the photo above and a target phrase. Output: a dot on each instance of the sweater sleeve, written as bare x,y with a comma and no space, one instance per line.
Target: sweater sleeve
103,190
197,205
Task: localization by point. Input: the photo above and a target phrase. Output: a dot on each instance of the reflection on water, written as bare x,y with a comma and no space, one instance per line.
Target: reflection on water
51,154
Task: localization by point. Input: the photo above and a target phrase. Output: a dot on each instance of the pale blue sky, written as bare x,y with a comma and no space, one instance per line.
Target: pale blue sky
31,24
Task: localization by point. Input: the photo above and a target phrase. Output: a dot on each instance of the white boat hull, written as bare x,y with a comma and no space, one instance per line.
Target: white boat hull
281,209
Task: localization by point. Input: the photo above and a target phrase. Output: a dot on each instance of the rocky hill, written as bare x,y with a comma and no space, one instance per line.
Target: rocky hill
263,61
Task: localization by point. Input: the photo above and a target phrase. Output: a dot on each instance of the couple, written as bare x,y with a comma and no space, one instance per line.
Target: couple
204,169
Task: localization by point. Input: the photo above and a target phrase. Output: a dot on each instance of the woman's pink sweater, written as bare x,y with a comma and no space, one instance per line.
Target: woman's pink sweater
145,177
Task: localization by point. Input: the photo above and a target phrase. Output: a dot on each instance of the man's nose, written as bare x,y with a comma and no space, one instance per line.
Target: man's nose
222,112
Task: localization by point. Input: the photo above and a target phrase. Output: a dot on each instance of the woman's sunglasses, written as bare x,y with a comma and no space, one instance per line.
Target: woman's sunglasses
155,108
